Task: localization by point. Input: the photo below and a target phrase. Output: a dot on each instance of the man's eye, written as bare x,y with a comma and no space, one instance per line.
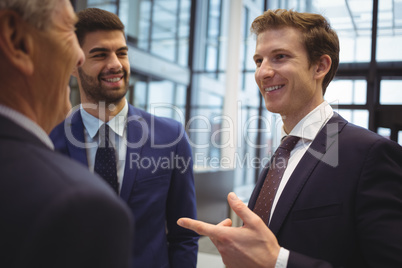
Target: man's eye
258,61
99,55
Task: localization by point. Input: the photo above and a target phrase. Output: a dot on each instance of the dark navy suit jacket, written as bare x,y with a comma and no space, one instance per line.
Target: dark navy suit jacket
158,197
342,206
53,211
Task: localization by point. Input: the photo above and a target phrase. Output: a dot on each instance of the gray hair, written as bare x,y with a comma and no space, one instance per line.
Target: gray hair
38,13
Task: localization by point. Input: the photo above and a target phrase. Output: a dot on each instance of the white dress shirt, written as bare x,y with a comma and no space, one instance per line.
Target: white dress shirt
27,124
118,125
307,129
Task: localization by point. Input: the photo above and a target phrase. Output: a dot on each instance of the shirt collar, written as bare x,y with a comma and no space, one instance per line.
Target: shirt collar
117,123
311,124
27,124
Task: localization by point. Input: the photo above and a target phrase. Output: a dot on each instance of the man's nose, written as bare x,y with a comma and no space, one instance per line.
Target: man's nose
114,63
265,71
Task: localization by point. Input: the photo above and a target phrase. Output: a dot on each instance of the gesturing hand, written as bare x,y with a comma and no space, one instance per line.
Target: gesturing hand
252,245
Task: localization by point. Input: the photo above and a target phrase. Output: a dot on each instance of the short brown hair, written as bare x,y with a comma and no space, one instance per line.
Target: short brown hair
318,36
95,19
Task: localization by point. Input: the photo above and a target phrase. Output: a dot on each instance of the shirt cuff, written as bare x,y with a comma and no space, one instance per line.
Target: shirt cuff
283,257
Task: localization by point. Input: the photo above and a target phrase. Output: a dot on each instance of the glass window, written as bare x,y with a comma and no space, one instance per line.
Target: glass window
140,95
357,117
346,92
204,129
353,22
351,19
145,25
164,30
298,5
259,4
246,155
211,61
184,31
391,92
400,137
385,132
160,27
251,91
136,26
248,50
213,36
159,97
389,41
251,94
110,6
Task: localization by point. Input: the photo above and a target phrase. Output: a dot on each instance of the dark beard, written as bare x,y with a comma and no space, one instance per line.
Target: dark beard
95,92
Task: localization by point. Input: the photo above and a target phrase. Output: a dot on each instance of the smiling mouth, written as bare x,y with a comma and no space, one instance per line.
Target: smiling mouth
113,80
269,89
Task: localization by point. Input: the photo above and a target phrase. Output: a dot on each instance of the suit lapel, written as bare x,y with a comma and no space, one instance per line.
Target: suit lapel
137,136
325,141
74,131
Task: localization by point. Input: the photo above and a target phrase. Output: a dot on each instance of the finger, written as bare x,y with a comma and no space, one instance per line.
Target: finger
225,222
241,209
202,228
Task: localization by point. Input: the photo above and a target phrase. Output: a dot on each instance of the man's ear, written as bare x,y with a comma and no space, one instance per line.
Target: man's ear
323,66
16,41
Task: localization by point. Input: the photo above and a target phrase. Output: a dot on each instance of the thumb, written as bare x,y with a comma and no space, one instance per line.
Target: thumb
241,209
225,222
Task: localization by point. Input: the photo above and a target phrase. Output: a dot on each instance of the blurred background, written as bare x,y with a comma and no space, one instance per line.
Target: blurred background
191,60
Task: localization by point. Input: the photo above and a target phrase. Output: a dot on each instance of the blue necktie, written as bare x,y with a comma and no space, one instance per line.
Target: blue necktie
105,159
